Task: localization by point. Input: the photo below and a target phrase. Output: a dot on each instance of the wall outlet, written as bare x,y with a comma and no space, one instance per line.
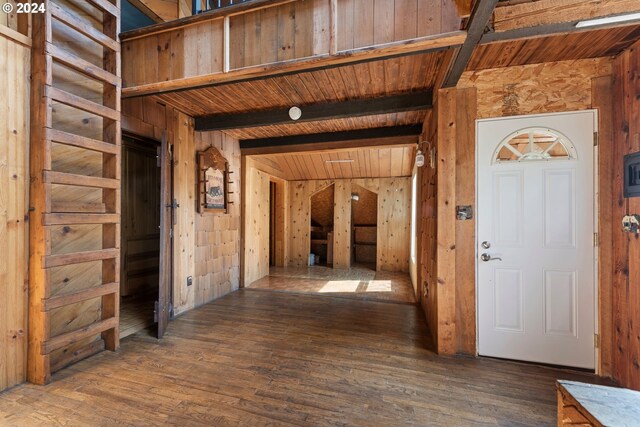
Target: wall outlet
189,280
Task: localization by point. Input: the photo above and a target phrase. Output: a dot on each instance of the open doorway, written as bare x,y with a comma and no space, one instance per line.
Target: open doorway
140,234
364,228
321,231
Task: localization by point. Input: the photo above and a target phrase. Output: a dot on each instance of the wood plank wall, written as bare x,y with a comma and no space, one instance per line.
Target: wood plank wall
531,89
625,250
394,221
428,224
184,193
371,22
288,31
209,248
256,179
281,32
14,196
341,225
256,223
217,250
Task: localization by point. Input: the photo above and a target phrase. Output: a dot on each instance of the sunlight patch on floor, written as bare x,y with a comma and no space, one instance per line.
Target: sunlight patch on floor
354,286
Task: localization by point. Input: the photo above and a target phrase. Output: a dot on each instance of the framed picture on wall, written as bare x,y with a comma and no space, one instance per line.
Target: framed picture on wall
213,171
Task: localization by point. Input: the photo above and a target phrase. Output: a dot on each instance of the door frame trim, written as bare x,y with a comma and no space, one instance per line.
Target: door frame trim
596,220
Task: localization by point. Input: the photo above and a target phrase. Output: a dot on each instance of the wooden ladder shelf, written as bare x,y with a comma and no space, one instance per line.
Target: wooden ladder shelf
58,282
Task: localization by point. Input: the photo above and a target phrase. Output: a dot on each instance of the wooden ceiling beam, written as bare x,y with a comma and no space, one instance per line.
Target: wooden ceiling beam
413,101
386,136
334,147
480,16
546,30
551,12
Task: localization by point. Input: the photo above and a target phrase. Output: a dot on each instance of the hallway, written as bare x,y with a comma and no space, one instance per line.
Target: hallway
257,357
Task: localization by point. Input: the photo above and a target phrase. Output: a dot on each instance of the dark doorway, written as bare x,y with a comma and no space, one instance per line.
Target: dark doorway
364,223
322,215
140,234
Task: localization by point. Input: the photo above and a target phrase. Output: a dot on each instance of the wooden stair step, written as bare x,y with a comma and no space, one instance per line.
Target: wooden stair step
80,257
84,295
53,177
81,103
66,138
106,6
80,218
83,28
82,66
73,337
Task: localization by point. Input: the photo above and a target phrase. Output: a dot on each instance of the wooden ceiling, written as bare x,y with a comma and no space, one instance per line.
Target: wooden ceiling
562,47
367,162
537,31
363,80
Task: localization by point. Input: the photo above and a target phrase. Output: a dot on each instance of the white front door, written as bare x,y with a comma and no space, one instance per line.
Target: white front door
535,237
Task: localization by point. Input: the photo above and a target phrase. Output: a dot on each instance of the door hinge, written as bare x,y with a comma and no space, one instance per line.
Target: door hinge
595,240
595,139
596,340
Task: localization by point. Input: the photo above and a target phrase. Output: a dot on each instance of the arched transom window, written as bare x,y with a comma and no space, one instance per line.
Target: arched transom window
533,144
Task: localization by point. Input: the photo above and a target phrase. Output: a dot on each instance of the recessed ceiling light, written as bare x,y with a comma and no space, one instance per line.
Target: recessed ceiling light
608,20
339,161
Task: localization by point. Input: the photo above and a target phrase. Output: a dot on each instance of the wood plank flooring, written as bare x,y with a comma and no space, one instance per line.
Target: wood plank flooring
136,313
359,283
257,357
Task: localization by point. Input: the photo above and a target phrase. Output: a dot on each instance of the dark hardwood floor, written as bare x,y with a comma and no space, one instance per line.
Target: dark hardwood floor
258,357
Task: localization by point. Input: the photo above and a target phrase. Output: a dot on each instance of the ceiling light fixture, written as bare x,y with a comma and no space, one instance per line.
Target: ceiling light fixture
339,161
608,20
295,113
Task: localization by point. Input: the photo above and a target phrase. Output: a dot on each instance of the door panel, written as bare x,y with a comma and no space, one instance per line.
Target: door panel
508,209
166,223
536,219
560,303
508,300
559,203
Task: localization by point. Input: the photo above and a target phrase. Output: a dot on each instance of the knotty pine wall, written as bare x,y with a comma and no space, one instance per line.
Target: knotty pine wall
256,223
255,211
206,246
427,229
14,207
530,89
623,252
